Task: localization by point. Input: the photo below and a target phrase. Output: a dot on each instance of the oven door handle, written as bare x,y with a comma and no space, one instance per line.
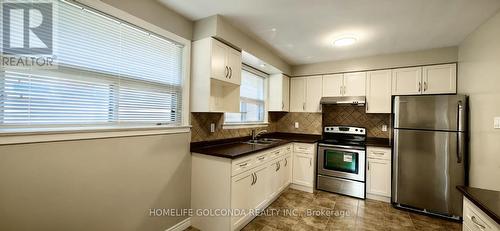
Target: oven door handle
341,146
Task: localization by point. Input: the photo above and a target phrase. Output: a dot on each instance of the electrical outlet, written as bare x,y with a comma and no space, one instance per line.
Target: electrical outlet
296,125
212,127
384,127
496,124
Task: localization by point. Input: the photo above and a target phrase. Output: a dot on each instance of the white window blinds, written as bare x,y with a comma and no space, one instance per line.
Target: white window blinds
252,100
109,73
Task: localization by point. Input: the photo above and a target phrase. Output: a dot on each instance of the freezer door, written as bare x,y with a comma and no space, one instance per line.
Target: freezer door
427,168
433,112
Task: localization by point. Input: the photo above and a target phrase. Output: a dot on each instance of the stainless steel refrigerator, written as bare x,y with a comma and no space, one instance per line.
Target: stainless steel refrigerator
429,153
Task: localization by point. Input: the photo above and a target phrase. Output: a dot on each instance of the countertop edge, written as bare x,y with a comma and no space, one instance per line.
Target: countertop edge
491,214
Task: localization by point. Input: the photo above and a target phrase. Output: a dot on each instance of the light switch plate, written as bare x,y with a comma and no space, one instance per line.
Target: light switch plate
296,125
496,123
212,127
384,127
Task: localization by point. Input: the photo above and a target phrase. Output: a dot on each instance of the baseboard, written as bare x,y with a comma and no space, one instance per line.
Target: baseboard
378,198
181,226
302,188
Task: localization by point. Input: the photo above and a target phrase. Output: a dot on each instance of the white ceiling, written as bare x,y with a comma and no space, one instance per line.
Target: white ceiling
301,31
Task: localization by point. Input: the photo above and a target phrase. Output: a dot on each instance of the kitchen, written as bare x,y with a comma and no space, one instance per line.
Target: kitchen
205,117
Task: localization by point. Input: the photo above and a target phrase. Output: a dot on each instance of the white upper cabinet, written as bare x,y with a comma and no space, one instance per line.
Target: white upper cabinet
439,79
313,93
349,84
333,85
378,91
279,92
407,81
354,84
297,94
305,94
434,79
215,77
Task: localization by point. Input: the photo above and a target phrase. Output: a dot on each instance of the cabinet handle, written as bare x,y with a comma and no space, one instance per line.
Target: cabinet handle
340,90
378,153
367,108
282,105
277,166
230,72
244,164
310,162
253,179
226,71
425,86
262,157
419,86
473,218
256,178
303,106
343,91
286,162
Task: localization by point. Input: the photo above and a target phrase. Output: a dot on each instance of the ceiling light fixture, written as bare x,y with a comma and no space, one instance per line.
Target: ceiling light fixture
345,41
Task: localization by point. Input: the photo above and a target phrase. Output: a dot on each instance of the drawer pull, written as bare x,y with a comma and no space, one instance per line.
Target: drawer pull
379,153
474,220
243,165
262,157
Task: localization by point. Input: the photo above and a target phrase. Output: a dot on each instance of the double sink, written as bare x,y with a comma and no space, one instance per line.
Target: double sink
263,141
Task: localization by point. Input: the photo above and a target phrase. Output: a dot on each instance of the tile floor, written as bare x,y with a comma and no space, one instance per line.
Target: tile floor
327,211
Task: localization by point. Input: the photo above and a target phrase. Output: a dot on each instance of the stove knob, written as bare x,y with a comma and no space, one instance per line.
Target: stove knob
356,129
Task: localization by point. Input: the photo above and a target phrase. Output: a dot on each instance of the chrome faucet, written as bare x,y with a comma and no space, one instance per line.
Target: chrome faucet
256,135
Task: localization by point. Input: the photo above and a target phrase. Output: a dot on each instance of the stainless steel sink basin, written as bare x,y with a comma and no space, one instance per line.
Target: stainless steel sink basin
262,141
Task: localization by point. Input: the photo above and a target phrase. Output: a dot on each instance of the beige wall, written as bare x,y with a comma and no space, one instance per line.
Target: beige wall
156,13
416,58
217,26
479,77
100,184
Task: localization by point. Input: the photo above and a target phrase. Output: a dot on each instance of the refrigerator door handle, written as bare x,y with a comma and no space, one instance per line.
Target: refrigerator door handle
461,135
395,167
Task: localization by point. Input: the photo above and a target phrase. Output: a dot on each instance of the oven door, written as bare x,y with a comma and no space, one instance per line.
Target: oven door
342,161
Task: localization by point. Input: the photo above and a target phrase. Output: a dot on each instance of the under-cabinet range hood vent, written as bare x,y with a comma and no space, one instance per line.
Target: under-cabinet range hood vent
349,100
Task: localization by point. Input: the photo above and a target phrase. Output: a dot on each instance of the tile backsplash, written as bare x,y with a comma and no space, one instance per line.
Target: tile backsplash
356,116
309,123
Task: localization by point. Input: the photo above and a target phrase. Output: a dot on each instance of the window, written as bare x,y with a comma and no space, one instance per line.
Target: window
252,100
109,73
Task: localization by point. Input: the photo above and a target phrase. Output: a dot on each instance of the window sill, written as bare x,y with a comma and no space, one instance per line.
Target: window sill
244,125
25,136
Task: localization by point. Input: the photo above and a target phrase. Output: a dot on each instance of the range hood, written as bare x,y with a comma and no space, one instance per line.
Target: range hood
349,100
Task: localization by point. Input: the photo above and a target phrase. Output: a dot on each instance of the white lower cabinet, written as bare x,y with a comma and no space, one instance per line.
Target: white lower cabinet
378,173
475,219
244,185
304,164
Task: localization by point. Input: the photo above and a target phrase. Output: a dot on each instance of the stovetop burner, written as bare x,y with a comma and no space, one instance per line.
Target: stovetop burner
344,135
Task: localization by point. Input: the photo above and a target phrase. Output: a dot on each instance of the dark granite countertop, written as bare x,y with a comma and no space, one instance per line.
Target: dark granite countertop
487,200
234,148
378,142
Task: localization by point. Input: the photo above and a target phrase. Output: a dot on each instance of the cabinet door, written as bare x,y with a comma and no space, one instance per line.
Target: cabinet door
241,193
332,85
313,93
259,193
378,91
219,69
286,165
303,169
273,179
354,84
297,94
286,93
407,81
439,79
378,180
233,62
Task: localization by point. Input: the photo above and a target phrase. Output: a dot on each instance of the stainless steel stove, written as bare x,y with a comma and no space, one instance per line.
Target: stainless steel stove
342,161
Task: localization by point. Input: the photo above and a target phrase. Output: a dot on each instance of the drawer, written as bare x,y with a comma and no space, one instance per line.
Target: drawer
303,148
242,164
275,153
378,153
476,220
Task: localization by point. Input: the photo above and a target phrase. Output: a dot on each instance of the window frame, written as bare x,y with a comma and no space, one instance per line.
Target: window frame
16,135
265,122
